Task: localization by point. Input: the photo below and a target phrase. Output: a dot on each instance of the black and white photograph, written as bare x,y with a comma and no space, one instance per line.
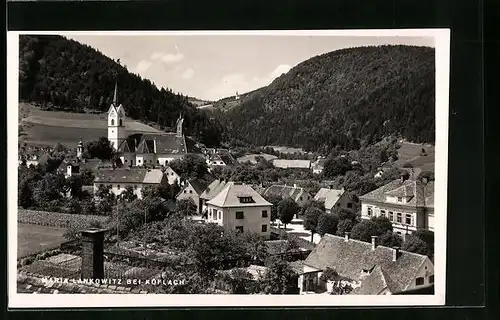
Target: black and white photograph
245,168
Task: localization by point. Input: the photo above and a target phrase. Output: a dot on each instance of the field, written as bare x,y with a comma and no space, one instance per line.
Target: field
41,127
32,239
411,153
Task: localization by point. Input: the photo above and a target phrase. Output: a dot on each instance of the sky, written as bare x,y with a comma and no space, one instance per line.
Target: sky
211,67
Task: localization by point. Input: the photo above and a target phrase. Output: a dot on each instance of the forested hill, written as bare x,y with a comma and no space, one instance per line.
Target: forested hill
63,74
343,98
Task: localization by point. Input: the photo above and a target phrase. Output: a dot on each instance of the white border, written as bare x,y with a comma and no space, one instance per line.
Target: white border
16,300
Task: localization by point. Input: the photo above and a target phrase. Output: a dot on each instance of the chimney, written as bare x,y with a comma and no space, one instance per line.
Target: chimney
93,254
346,236
424,180
331,186
374,242
395,253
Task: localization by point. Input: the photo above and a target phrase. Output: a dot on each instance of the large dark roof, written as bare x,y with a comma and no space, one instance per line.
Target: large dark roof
284,191
417,192
164,143
128,175
198,185
350,258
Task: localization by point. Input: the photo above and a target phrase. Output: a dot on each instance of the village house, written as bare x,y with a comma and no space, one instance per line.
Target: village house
337,199
240,207
138,149
318,165
220,160
121,178
298,194
193,190
292,164
172,176
408,203
375,269
210,192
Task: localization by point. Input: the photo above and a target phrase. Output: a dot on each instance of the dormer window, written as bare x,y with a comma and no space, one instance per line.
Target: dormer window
246,199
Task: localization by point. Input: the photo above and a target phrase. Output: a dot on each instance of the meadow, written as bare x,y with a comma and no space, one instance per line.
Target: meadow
42,127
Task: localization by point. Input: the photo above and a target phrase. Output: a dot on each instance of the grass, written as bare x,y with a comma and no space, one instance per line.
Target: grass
410,153
41,127
33,239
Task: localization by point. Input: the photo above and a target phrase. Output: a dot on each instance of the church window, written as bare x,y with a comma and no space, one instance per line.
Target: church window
112,122
121,123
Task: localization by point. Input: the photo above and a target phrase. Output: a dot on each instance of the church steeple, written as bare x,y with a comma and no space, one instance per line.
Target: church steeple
180,121
115,97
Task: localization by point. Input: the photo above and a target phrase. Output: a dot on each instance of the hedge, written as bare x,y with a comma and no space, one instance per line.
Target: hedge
57,219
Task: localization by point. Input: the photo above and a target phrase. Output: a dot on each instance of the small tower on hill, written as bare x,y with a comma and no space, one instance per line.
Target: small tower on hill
116,121
79,150
180,122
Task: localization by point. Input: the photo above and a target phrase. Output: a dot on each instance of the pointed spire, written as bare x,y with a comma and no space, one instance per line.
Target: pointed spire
116,94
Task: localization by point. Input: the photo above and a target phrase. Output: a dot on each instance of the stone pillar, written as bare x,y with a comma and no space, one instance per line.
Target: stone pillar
93,254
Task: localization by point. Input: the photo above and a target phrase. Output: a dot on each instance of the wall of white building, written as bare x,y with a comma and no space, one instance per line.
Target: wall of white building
252,218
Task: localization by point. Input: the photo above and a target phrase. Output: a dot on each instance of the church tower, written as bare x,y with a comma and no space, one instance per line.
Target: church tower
180,122
79,150
116,122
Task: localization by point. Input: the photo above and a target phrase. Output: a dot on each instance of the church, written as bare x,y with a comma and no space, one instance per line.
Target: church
139,149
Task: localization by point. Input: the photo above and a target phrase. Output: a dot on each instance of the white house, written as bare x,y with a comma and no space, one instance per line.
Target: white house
373,269
120,179
409,204
318,165
292,164
336,198
240,207
172,176
210,192
193,190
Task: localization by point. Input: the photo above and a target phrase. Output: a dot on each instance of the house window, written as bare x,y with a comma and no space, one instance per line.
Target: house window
220,215
158,161
382,213
419,281
300,198
185,191
398,232
338,204
399,217
391,216
126,160
264,213
370,211
400,199
112,122
190,191
408,219
139,161
135,187
121,123
246,199
240,228
349,205
239,214
264,228
118,186
431,279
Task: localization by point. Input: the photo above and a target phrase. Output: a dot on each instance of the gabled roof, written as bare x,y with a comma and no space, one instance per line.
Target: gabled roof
329,196
198,185
232,194
375,283
129,175
350,258
298,164
417,192
284,191
213,189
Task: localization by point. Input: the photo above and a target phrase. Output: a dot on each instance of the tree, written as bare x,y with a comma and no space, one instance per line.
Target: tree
365,230
327,223
345,214
75,186
25,195
274,200
414,244
336,167
190,167
128,195
100,149
313,203
279,278
383,223
186,208
390,239
287,209
87,177
164,189
344,226
311,220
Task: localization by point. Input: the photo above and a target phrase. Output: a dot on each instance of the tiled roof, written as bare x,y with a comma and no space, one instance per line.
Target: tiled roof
329,196
164,143
375,282
129,175
418,193
300,164
232,193
198,185
213,189
284,191
33,283
350,258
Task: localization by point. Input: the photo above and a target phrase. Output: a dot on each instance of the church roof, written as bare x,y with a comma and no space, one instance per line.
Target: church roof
164,143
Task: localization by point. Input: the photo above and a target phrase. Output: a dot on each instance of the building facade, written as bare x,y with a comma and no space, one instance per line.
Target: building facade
119,179
408,204
240,207
337,199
